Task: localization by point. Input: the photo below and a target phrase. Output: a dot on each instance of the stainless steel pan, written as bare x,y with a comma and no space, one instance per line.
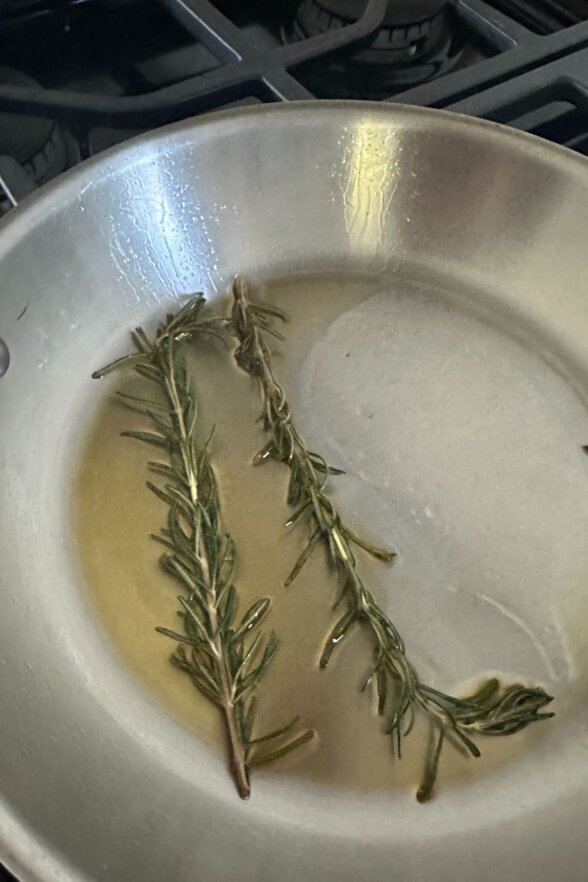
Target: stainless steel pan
96,781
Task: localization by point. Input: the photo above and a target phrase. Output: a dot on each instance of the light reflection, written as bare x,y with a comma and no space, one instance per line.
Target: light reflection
371,181
168,237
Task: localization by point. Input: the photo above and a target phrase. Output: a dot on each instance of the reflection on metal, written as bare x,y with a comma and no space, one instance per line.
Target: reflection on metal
370,185
6,189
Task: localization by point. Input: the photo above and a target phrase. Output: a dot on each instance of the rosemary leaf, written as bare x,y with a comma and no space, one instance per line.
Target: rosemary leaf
250,655
298,514
149,372
252,617
148,438
425,791
304,557
277,733
125,361
165,497
175,635
304,738
141,405
139,338
383,554
336,636
249,717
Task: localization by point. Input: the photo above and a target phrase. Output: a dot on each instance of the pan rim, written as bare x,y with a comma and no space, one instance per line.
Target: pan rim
82,176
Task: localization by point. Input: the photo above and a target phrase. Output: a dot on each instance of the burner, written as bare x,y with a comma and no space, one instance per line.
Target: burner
37,144
418,40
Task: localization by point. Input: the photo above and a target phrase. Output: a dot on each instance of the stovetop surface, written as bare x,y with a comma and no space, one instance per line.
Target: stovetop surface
77,76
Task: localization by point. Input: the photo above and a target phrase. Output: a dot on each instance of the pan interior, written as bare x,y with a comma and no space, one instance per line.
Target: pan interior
453,431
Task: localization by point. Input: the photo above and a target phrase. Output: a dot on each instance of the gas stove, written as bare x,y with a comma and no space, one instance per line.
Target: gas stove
77,76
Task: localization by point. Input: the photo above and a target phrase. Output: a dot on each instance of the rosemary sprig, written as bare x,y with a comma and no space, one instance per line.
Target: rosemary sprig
224,656
496,708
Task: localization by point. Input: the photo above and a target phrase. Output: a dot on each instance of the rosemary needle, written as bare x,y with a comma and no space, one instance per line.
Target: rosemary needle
496,708
224,656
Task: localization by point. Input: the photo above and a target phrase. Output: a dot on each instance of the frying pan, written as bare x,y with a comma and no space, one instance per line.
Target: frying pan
97,781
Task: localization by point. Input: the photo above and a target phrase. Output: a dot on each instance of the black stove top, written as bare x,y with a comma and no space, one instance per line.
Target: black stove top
77,76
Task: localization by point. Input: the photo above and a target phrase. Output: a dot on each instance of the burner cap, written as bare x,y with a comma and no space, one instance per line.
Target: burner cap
36,143
417,42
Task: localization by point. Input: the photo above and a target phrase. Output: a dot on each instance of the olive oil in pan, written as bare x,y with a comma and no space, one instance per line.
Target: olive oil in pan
115,515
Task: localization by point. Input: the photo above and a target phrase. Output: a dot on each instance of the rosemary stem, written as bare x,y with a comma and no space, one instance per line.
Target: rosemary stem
216,647
497,708
299,452
238,761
